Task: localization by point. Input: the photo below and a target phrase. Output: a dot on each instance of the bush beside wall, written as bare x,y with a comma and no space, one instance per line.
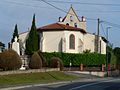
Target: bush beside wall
56,62
10,60
35,61
42,58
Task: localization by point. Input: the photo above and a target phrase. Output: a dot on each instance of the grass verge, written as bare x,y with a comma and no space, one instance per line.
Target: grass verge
34,78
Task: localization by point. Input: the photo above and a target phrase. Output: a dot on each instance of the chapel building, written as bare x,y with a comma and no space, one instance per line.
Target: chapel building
68,35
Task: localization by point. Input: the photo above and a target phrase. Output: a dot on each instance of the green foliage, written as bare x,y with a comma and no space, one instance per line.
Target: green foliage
35,61
87,51
77,59
43,59
15,34
116,52
32,41
113,59
34,78
2,45
10,60
56,62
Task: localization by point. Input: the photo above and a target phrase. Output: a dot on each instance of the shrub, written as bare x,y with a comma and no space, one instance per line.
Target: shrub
10,60
42,58
56,62
77,59
35,61
87,51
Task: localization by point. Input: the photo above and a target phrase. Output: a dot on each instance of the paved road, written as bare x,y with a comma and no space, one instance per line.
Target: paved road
86,82
99,84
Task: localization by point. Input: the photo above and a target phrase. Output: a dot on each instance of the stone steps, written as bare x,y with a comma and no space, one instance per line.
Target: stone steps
25,61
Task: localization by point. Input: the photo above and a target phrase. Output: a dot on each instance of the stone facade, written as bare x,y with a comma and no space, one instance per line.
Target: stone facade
56,37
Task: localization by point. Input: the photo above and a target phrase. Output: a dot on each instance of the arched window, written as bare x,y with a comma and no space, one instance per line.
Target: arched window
75,24
71,18
67,24
72,41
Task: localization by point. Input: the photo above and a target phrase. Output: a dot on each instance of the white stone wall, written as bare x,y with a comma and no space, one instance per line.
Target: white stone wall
52,41
103,46
57,41
89,43
22,38
78,35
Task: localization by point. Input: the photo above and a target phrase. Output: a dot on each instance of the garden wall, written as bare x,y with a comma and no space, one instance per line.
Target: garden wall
28,71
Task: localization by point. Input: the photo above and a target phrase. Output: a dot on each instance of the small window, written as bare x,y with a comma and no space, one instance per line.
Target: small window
72,41
71,18
75,25
67,24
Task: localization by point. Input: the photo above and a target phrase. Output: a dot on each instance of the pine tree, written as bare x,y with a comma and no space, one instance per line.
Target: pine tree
32,41
15,34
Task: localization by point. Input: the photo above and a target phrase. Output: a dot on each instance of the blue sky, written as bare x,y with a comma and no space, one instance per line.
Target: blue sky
21,12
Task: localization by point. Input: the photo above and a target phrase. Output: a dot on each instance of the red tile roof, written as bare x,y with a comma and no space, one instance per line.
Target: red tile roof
58,26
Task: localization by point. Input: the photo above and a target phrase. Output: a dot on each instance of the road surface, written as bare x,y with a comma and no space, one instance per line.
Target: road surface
99,84
86,82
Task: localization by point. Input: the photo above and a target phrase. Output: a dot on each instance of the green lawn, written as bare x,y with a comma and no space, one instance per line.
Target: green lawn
33,78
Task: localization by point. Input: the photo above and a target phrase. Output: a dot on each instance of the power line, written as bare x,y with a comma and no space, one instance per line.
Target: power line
112,24
91,19
61,9
46,1
53,6
17,3
103,30
23,4
91,11
103,4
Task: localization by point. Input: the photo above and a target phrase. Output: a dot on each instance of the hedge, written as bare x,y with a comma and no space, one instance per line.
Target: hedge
77,59
113,59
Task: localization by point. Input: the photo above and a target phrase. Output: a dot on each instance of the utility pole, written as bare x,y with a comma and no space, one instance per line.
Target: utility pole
107,49
98,32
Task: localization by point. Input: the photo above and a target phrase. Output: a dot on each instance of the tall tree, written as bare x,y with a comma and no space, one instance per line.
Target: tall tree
15,34
32,41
